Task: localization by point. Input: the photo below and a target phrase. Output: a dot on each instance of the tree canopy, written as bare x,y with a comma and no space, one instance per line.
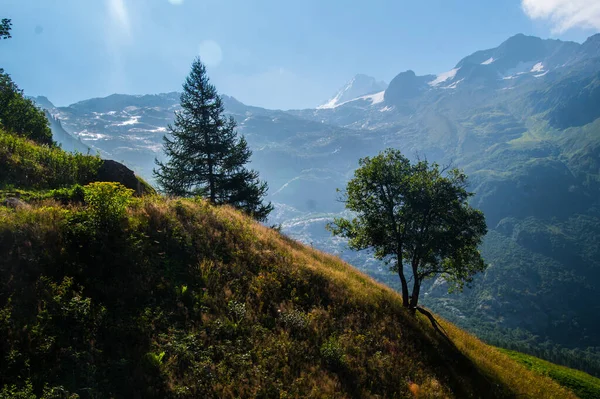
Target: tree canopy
20,115
5,26
205,155
416,217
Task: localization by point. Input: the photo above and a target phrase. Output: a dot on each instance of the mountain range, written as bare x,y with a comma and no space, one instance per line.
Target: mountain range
361,85
523,121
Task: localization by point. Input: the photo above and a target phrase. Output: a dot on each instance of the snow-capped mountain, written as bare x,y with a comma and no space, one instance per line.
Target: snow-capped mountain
522,120
518,59
359,86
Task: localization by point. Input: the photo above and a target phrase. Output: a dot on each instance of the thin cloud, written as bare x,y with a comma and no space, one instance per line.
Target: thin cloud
210,53
565,14
118,12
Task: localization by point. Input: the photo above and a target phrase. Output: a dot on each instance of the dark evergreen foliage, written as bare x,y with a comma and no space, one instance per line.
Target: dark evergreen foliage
5,26
206,156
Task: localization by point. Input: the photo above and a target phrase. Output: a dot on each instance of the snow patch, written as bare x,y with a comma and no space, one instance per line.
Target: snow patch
358,86
157,148
134,120
374,98
286,185
520,69
331,103
442,77
453,85
91,136
304,222
539,67
157,130
514,76
488,61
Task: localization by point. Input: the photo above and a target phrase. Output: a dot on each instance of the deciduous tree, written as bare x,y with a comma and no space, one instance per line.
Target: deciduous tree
417,218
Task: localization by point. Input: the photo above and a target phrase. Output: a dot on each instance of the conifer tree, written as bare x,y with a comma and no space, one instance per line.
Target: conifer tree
5,26
205,155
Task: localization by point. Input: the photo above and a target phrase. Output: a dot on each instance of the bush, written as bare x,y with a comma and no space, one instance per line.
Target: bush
107,203
75,194
295,320
333,353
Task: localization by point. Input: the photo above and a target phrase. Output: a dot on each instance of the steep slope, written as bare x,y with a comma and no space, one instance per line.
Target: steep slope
528,135
67,141
106,295
582,384
359,86
181,299
25,165
521,119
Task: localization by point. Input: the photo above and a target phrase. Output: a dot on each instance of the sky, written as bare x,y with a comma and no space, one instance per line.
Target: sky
280,54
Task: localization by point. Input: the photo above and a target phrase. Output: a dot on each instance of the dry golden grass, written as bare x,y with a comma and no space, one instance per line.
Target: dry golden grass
496,364
345,334
362,288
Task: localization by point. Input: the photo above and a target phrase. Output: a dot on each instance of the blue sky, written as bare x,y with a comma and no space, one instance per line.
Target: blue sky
270,53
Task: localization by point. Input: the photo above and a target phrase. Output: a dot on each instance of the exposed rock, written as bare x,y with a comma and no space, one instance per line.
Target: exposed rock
117,172
14,202
406,85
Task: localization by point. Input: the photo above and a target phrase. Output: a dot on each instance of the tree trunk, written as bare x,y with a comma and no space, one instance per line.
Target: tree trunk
405,301
414,299
404,284
211,181
211,176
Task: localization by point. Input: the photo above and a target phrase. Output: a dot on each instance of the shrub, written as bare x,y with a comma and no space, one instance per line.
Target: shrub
155,359
68,195
333,353
107,203
295,320
237,311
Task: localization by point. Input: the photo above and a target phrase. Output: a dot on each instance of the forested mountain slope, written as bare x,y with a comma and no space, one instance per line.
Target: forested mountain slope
103,294
521,119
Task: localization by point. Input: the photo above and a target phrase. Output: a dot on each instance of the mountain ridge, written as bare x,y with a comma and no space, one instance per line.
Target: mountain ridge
530,143
360,85
106,295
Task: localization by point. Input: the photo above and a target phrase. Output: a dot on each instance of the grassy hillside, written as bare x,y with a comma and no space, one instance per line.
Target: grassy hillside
26,164
103,294
583,384
176,298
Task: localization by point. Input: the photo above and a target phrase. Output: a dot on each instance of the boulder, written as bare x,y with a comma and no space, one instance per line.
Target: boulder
117,172
14,202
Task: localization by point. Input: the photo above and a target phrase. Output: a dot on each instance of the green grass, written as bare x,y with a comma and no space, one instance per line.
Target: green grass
582,384
106,295
177,298
25,164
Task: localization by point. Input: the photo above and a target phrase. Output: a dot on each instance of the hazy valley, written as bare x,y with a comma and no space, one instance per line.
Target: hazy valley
522,120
